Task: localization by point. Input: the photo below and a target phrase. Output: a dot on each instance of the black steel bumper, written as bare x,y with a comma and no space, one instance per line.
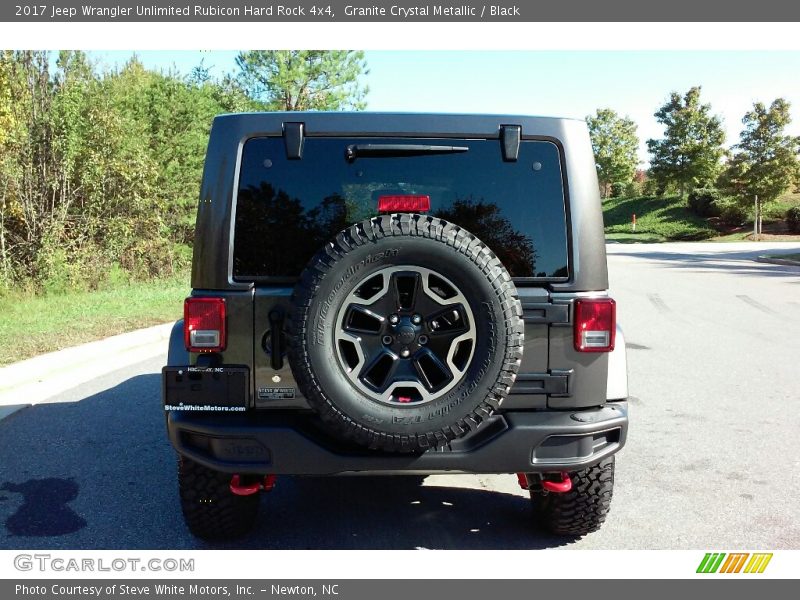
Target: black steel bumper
258,442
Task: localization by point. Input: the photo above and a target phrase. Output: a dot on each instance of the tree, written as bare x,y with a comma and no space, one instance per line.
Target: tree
97,169
765,164
615,146
304,79
230,95
7,126
6,112
690,152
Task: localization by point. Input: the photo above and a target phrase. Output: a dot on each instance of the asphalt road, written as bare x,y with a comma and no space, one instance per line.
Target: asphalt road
712,458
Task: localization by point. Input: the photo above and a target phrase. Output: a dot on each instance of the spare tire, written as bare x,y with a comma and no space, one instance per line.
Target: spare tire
406,333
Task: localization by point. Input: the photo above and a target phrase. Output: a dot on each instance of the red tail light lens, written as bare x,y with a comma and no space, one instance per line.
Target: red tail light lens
595,324
204,324
404,203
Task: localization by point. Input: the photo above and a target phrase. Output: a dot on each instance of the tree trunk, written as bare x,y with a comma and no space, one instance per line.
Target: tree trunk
757,220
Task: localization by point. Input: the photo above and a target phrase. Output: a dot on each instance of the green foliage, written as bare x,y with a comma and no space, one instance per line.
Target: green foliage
793,219
689,154
633,188
710,202
651,187
618,189
615,146
6,115
100,172
766,160
304,79
171,119
702,201
731,211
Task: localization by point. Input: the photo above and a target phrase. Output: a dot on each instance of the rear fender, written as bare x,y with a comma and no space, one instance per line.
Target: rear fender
177,355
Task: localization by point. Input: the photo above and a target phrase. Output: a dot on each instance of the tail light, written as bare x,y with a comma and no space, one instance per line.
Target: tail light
204,324
404,203
595,324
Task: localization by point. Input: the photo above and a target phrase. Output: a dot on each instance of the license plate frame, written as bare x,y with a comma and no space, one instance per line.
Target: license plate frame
205,389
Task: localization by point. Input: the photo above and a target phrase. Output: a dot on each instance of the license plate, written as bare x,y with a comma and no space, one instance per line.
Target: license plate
214,389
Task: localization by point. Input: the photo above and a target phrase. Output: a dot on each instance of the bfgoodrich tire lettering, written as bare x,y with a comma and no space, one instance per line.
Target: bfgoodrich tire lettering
386,244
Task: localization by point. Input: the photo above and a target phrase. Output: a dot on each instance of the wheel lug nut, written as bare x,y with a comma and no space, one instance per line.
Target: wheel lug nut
423,339
416,319
404,352
393,319
387,340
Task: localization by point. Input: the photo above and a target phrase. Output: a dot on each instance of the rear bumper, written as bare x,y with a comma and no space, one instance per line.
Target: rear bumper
260,443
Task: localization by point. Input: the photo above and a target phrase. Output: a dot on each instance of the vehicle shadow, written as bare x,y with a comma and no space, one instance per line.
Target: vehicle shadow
736,262
100,474
392,513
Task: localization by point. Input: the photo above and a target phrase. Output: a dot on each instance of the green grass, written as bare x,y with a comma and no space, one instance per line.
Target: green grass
665,218
635,238
739,236
34,324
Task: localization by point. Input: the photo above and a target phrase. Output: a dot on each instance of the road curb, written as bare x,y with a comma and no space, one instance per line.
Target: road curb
37,379
778,261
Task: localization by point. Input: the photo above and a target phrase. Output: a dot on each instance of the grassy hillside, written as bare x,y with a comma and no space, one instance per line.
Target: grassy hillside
664,219
657,219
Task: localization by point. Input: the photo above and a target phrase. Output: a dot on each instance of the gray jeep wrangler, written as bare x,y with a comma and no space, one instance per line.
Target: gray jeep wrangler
397,294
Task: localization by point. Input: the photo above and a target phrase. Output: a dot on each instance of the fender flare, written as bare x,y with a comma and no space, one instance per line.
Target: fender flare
177,355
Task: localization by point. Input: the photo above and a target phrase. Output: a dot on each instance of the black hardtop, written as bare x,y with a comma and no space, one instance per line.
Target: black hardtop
393,123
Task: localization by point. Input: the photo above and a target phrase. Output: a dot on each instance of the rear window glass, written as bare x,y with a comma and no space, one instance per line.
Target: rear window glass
288,209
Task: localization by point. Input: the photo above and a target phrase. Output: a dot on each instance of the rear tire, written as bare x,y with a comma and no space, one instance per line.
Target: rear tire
583,509
210,509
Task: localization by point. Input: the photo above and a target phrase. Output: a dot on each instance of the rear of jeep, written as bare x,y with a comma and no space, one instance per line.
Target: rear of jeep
397,294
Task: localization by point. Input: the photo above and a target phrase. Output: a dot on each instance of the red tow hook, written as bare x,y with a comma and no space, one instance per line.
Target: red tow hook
558,487
267,484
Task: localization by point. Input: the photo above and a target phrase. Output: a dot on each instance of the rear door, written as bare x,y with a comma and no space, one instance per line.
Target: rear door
288,208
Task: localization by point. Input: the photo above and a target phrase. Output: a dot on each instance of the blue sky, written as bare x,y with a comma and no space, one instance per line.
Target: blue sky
557,83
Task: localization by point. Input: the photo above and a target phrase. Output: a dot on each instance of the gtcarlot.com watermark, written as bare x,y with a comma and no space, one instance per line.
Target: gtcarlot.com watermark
55,564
